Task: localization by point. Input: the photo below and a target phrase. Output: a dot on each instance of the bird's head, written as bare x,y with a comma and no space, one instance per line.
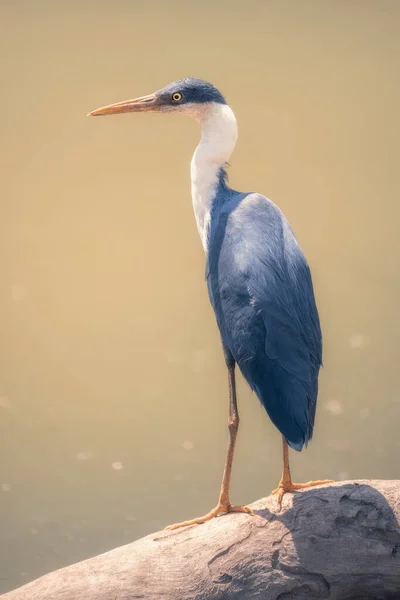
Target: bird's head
188,96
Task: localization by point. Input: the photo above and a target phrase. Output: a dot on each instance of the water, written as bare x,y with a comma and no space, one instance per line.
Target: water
112,383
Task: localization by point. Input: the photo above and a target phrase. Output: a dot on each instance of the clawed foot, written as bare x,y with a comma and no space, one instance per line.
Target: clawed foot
220,508
284,487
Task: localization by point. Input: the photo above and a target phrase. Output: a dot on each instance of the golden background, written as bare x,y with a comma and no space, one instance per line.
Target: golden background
113,399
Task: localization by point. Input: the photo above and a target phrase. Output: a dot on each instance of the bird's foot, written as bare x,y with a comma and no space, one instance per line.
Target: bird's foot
289,486
220,508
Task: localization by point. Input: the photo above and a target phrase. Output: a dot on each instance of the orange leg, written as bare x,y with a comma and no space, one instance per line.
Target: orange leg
286,484
224,505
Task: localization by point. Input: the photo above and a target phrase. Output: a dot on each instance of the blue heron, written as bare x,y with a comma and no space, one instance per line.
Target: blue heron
258,280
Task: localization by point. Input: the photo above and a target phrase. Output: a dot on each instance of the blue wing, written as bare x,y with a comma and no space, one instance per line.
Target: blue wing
261,290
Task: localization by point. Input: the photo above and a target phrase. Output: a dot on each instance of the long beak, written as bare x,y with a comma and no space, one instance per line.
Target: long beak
148,103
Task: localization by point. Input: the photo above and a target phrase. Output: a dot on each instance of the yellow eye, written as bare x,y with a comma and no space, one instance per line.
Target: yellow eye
177,97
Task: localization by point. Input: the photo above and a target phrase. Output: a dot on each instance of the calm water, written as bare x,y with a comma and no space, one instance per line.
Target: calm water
113,400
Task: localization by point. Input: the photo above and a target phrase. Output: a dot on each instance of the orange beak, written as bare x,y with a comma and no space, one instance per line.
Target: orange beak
149,103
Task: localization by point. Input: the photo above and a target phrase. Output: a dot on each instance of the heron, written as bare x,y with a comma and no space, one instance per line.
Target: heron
258,279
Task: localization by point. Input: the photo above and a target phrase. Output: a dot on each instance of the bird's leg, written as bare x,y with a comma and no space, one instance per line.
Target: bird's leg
286,484
224,504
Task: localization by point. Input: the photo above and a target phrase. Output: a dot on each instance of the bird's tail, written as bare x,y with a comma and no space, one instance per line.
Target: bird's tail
288,402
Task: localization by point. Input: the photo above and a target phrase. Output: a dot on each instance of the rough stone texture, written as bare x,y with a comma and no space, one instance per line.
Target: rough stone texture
340,541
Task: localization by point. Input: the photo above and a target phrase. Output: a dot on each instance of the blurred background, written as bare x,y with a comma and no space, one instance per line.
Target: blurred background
113,394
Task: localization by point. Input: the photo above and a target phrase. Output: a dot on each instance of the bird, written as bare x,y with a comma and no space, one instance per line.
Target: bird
258,279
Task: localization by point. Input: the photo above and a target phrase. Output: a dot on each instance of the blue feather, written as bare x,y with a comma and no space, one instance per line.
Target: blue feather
261,290
193,91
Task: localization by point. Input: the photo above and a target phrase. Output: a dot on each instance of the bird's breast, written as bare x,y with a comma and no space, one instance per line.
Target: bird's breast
204,185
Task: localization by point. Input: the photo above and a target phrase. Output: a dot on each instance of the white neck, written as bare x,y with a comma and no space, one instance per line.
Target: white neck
219,133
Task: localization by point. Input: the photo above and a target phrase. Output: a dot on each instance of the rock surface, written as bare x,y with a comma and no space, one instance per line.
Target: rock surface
340,541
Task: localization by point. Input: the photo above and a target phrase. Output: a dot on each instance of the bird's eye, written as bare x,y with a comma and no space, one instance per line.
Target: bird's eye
177,97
